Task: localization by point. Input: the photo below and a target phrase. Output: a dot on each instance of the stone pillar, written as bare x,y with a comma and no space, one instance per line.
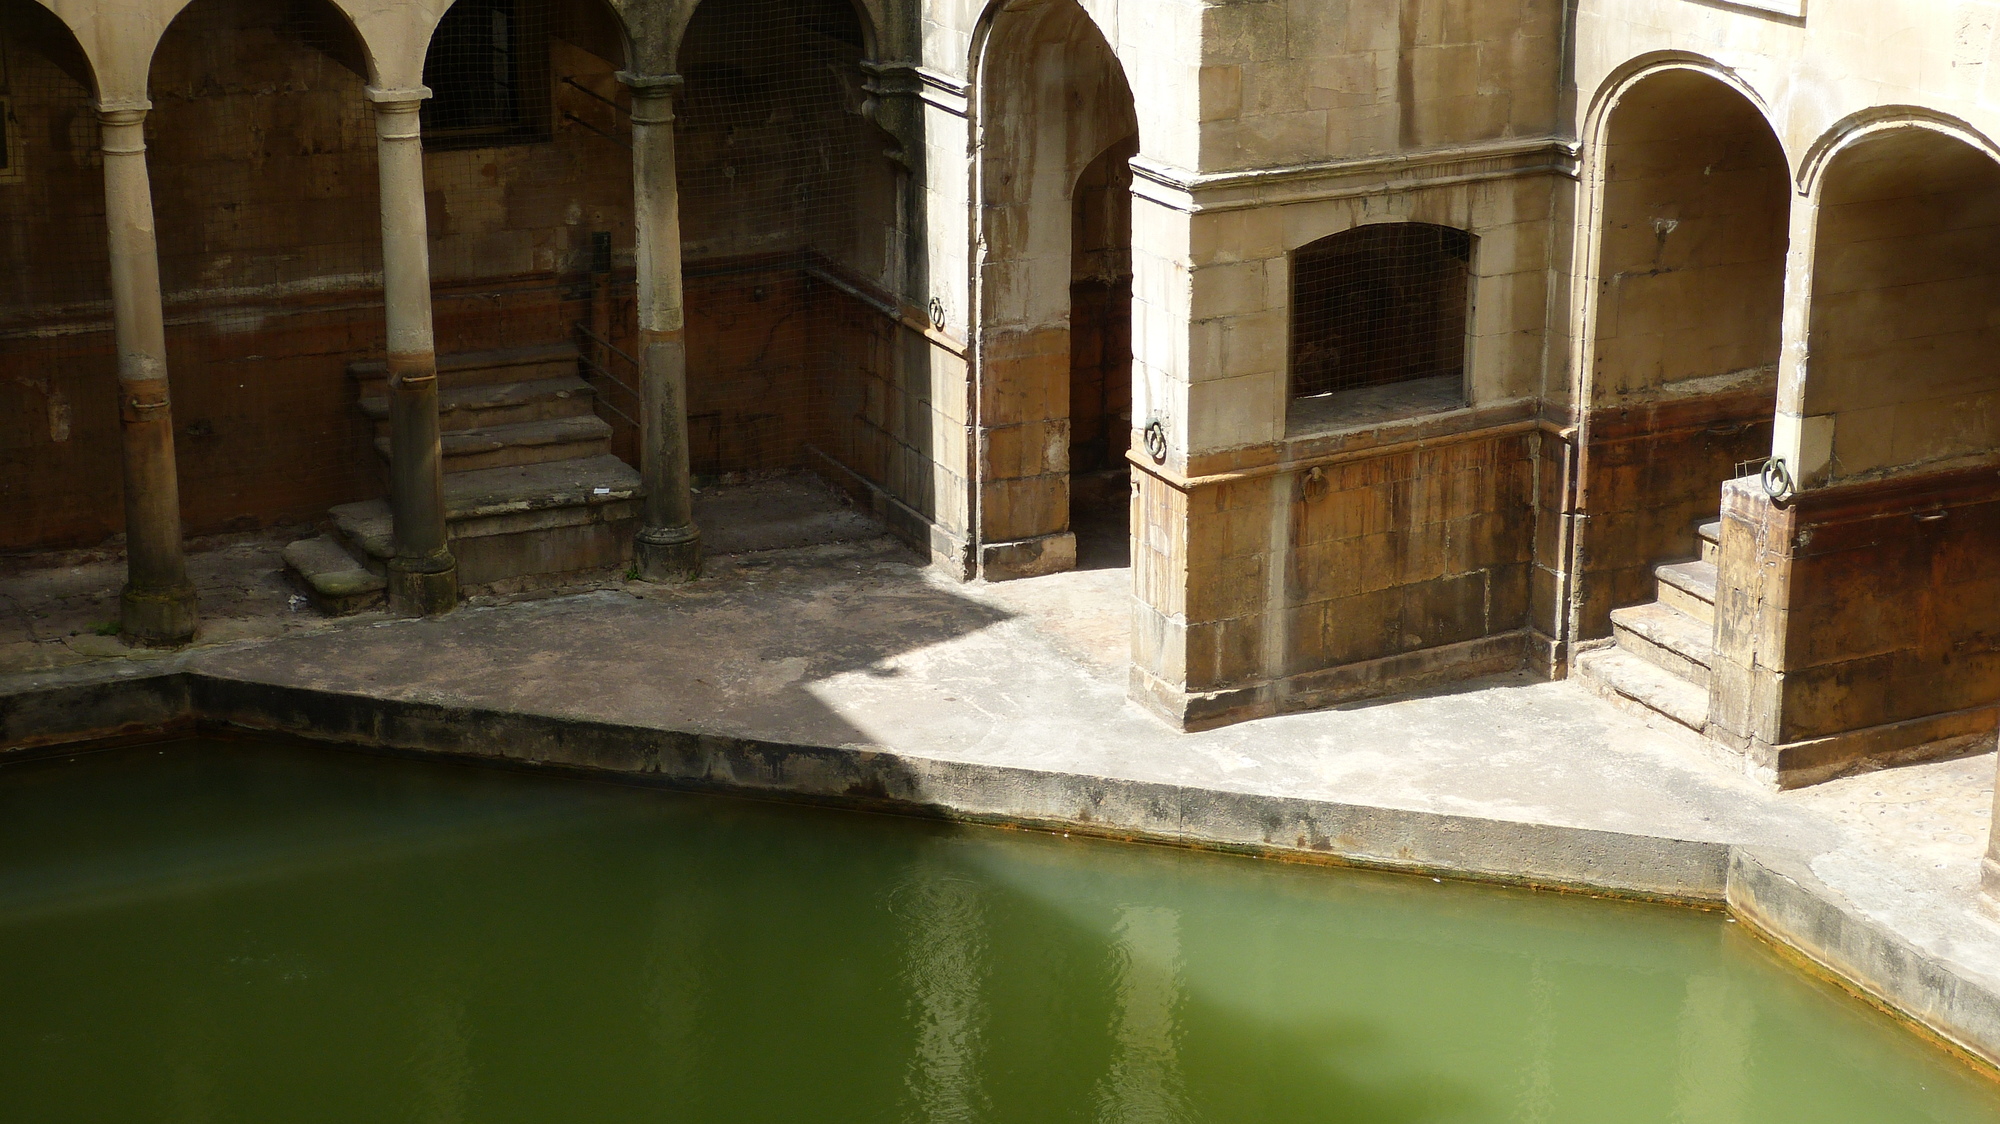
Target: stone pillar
668,548
157,606
423,575
1989,867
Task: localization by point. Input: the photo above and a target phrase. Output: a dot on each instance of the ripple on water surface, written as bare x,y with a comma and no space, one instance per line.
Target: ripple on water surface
254,932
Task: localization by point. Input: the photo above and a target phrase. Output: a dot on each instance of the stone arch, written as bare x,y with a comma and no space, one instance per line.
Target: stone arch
1864,125
868,16
1681,282
1050,98
1854,601
794,253
1902,357
58,367
1645,78
262,160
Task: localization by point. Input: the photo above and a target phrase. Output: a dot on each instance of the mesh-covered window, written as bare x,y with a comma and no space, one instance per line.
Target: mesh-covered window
488,73
788,231
1377,305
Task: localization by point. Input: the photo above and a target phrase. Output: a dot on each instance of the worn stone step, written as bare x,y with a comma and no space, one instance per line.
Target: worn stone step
500,403
1689,587
1618,674
475,368
1710,534
333,579
1667,638
522,520
536,442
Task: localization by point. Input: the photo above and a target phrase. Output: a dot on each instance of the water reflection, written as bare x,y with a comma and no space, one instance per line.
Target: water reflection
1718,1027
943,964
1538,1087
442,1067
1144,1083
334,939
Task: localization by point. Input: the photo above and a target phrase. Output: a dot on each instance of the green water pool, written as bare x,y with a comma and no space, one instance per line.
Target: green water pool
237,931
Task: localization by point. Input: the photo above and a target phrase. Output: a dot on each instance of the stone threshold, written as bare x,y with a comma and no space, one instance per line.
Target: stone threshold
1773,891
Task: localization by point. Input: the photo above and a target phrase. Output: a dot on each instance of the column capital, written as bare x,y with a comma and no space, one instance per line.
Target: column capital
652,97
126,116
390,98
123,108
653,84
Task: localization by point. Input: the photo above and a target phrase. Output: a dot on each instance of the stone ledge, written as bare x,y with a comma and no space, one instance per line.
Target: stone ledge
1311,690
1778,895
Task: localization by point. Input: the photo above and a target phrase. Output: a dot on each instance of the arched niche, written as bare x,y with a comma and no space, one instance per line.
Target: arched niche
1903,349
1052,101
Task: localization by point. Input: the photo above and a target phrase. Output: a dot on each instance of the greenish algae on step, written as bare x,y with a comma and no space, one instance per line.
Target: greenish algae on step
241,931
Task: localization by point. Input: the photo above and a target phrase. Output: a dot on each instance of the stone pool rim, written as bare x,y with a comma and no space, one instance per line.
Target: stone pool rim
1773,892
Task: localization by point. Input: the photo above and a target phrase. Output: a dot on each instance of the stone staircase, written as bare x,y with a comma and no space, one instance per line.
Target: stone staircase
531,489
1661,650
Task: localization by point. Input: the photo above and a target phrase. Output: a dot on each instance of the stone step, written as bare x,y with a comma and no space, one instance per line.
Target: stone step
500,403
519,521
1710,534
1618,674
1667,638
1689,587
520,443
334,580
478,368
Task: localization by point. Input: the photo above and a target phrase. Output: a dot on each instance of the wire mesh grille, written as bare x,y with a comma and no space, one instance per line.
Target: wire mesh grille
59,466
262,154
1379,304
528,168
788,219
261,151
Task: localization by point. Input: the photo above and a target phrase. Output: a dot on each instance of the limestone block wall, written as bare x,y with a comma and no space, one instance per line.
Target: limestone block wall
1904,356
1687,220
1302,81
1857,623
1408,556
1849,625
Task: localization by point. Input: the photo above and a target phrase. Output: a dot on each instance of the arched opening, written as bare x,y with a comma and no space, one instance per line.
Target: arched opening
792,260
1689,301
528,170
59,459
1904,347
261,149
1057,132
1380,306
1861,605
1100,355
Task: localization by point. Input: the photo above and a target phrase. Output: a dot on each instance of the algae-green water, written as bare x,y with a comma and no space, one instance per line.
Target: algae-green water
222,931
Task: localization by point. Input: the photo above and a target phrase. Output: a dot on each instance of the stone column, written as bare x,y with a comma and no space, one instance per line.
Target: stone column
668,548
1989,867
423,575
157,606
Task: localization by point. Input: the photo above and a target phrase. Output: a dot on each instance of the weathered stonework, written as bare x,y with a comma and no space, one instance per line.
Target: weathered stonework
1058,238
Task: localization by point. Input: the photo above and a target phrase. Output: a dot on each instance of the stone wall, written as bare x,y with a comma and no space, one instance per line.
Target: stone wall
1857,623
262,153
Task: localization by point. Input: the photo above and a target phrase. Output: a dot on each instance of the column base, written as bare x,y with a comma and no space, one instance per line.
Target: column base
419,588
668,554
157,618
1989,886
